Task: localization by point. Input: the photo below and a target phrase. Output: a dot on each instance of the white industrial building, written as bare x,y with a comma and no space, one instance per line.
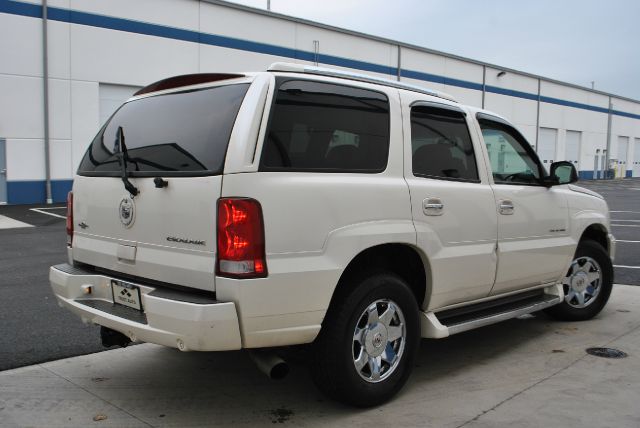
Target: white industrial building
95,54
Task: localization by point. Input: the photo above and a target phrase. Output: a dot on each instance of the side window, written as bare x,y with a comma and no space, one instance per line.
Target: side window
441,144
511,159
324,127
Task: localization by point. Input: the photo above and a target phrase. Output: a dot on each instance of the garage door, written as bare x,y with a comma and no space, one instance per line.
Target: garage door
547,141
623,149
572,147
112,97
636,158
3,172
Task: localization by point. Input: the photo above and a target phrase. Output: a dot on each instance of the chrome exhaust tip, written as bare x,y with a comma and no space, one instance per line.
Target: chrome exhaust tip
270,364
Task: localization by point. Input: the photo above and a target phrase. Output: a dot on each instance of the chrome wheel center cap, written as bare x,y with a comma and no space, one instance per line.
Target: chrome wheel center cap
580,281
376,340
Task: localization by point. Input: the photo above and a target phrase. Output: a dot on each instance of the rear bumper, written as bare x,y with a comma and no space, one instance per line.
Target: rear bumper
171,319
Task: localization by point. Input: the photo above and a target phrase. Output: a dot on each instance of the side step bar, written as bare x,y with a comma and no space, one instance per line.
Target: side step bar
445,323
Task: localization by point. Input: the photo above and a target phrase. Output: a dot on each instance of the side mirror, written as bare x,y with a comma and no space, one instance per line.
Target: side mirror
564,172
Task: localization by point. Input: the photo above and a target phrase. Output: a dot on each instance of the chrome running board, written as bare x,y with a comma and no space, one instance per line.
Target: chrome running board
442,324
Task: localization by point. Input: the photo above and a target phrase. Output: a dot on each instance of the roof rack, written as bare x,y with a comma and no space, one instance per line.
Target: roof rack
308,69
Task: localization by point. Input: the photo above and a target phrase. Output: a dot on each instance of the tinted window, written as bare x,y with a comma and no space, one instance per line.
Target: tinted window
441,144
180,133
512,160
323,127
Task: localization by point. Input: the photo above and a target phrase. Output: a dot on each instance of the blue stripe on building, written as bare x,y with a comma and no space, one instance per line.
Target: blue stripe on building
157,30
34,191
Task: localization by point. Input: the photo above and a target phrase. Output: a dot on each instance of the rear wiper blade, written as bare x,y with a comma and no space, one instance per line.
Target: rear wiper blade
123,158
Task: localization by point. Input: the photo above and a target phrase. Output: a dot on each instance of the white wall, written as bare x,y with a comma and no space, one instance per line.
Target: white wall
85,58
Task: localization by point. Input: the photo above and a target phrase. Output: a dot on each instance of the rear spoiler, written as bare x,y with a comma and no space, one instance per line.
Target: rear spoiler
185,80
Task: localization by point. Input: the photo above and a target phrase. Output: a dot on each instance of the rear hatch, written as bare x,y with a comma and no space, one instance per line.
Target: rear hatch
173,146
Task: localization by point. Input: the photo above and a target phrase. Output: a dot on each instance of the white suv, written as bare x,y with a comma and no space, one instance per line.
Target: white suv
311,206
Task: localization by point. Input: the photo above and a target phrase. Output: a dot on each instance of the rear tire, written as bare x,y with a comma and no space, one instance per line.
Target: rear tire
587,285
366,348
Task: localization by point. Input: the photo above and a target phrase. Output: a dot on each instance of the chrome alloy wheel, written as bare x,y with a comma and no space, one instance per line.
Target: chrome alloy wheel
582,283
379,340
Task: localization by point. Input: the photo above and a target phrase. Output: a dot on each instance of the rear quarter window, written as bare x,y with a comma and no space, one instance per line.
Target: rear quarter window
324,127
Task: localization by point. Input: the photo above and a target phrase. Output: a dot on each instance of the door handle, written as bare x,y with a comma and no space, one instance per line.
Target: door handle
3,171
432,206
506,207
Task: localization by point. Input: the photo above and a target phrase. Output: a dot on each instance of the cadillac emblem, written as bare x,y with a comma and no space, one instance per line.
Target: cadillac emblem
127,211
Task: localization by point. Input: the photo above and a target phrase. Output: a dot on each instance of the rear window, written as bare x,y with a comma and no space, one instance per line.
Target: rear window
183,133
327,128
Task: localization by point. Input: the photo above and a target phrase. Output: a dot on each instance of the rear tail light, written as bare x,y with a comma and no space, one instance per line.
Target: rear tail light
240,239
69,218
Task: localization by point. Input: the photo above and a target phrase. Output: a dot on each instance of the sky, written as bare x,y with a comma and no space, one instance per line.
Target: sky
575,41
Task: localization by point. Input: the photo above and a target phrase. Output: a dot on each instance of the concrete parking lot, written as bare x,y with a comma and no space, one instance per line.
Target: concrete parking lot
530,372
526,372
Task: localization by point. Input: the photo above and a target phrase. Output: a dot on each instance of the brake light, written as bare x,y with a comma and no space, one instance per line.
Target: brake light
69,219
240,231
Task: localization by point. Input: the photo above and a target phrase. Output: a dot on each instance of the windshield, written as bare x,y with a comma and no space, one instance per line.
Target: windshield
183,133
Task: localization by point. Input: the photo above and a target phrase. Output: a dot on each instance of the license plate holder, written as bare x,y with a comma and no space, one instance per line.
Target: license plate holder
126,294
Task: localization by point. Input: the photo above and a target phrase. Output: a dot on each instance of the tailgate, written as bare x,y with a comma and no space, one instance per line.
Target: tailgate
172,147
171,232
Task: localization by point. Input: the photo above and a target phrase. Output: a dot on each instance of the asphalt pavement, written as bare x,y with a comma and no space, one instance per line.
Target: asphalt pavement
623,198
34,329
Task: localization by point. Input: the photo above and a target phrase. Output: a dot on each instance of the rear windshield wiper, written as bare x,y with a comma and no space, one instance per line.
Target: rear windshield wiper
123,158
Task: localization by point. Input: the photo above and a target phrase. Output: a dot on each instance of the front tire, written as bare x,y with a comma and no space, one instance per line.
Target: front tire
587,285
366,349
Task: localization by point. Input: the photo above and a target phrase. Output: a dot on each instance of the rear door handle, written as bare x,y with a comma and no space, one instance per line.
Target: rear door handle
506,207
3,171
432,206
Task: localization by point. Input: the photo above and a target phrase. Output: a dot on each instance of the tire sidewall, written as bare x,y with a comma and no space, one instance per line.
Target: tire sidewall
380,286
595,251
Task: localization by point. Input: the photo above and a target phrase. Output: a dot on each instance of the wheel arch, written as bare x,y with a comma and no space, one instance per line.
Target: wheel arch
403,259
596,232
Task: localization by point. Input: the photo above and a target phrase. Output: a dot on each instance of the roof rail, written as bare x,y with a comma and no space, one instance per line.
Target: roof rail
331,72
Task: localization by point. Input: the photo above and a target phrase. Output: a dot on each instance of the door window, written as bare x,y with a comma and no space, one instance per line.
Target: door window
513,161
441,145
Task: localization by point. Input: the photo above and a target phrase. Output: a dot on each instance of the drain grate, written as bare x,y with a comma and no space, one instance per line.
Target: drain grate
606,352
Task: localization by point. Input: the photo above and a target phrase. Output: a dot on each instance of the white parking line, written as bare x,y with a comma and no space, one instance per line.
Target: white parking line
628,221
39,210
626,267
622,240
9,223
626,225
52,208
632,212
